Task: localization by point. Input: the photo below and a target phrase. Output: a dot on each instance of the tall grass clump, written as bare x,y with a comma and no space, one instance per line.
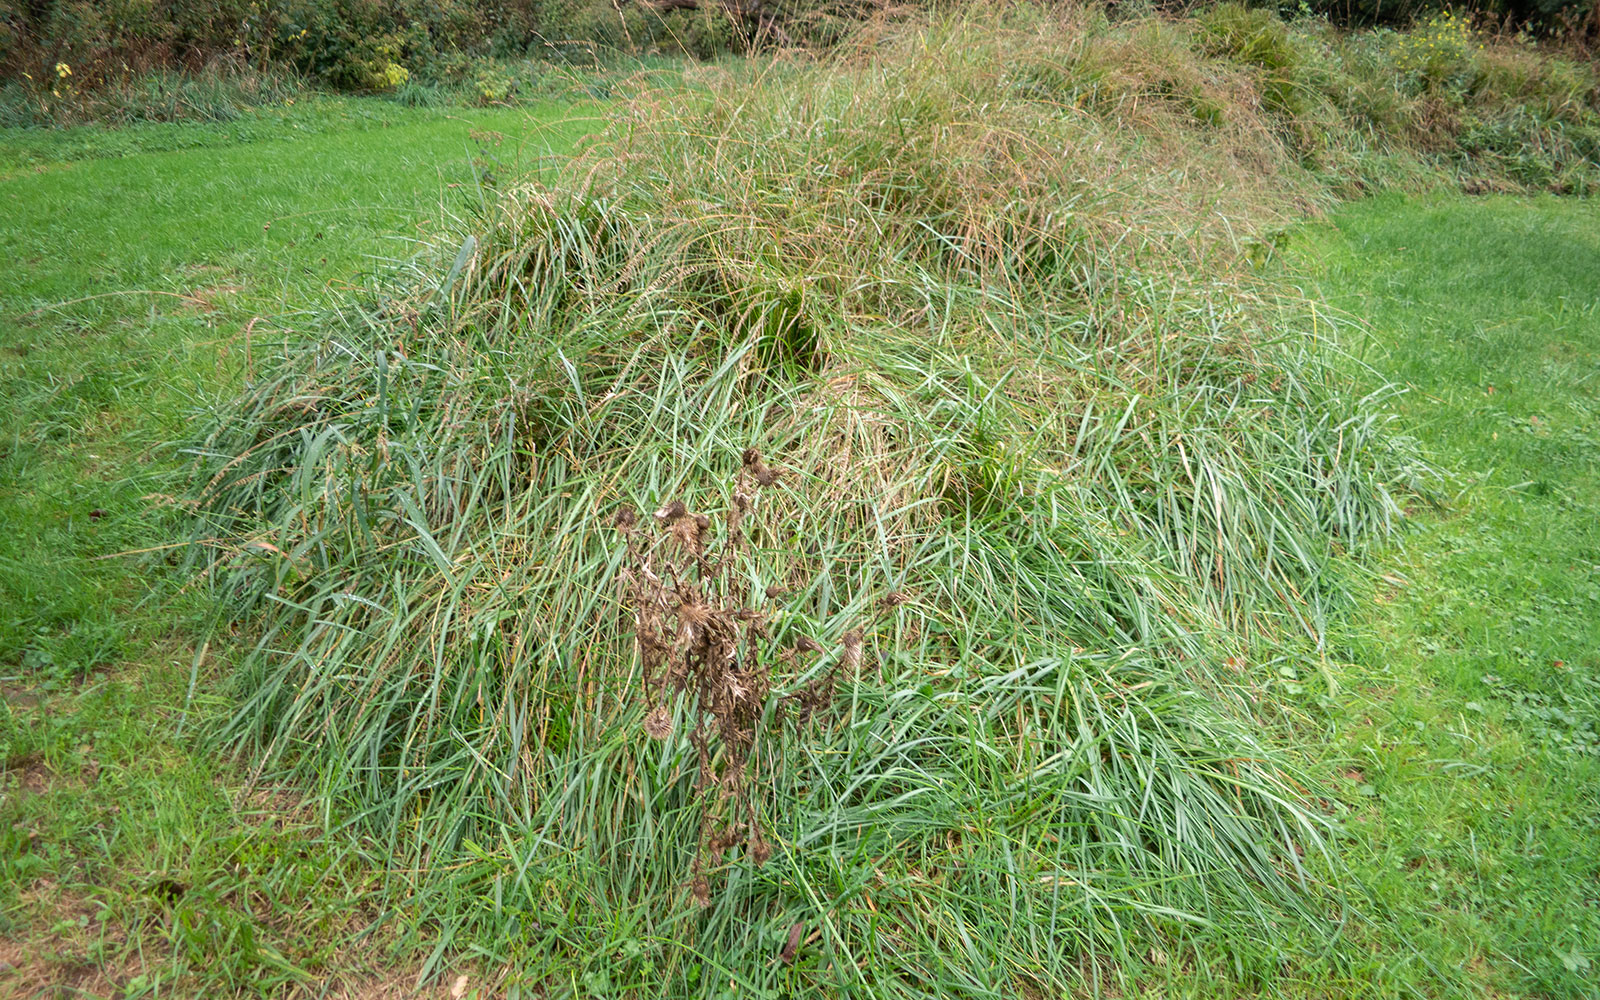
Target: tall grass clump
976,685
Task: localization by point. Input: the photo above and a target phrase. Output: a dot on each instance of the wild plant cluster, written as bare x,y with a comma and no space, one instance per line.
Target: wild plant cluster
374,45
707,650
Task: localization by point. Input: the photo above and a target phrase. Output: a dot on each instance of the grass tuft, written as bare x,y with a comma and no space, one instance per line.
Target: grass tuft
1016,373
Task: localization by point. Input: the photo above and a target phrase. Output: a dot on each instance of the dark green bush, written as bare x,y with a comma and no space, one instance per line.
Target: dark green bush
100,37
1547,15
379,44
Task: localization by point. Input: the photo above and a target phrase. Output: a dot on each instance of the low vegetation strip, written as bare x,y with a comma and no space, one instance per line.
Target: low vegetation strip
1057,493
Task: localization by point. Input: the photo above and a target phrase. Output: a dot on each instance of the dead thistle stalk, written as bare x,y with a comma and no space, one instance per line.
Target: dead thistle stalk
701,644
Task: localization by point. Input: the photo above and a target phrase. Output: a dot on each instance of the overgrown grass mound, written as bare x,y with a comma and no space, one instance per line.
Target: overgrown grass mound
981,682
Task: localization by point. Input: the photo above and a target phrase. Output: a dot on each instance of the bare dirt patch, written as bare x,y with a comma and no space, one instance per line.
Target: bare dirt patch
30,776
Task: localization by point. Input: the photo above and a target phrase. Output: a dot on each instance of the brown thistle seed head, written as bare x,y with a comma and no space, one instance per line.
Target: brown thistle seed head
626,519
658,724
756,846
686,529
764,474
671,512
852,649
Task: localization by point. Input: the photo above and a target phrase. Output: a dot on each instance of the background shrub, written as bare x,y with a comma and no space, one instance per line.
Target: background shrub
1552,15
377,45
348,43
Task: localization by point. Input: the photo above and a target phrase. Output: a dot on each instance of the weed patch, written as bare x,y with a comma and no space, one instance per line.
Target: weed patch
1014,372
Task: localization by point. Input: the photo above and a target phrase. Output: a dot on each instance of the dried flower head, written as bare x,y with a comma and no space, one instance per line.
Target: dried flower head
658,724
756,846
851,658
760,471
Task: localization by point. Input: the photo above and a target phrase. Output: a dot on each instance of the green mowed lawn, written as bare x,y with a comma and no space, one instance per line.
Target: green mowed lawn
1474,733
136,284
141,273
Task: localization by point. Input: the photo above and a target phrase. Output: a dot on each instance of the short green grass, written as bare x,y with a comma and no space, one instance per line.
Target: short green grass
1472,745
134,277
134,270
1465,744
307,114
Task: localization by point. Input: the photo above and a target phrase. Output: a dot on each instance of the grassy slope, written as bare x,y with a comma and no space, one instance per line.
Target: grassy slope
1474,735
251,223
